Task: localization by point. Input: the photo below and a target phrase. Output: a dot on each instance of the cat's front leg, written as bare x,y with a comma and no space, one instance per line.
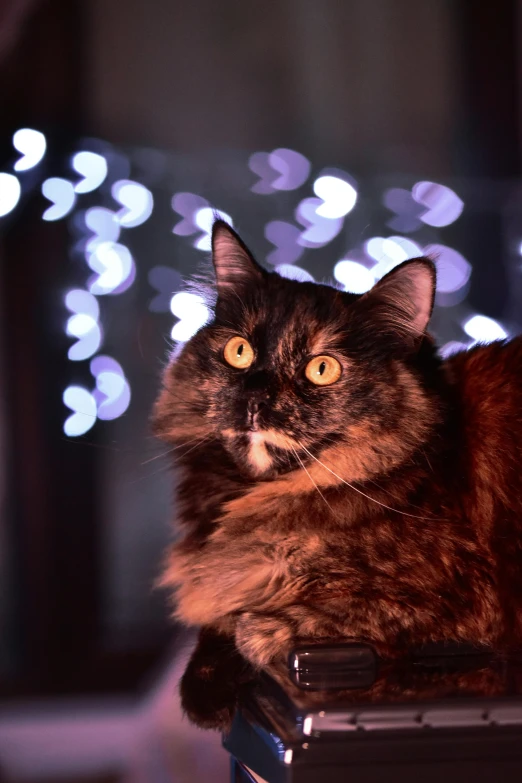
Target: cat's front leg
214,681
263,638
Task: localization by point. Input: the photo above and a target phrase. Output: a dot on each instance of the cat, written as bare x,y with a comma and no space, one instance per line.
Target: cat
341,480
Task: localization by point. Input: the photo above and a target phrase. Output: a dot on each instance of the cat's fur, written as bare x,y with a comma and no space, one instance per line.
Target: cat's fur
386,506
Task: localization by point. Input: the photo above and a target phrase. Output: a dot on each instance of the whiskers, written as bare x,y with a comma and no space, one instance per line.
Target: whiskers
194,443
198,444
298,458
355,489
176,448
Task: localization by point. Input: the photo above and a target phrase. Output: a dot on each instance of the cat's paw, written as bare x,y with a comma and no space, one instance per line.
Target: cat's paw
262,638
207,700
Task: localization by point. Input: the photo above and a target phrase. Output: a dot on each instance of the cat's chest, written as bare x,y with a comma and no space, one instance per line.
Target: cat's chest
235,574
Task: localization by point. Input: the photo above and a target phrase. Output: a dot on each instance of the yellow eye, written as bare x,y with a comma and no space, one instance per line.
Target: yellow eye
323,370
239,353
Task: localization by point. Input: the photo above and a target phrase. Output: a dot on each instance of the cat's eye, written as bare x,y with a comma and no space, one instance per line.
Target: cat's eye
323,370
239,353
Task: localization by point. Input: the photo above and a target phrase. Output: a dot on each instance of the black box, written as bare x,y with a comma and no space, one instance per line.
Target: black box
447,716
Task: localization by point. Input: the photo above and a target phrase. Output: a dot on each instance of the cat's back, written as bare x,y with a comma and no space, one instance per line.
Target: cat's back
487,387
488,380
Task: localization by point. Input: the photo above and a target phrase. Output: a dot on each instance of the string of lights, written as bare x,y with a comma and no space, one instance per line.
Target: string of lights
98,232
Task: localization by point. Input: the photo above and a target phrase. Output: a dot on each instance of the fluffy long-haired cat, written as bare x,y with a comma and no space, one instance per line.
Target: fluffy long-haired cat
340,480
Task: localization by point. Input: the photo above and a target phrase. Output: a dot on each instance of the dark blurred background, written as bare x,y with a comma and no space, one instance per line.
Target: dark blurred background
340,137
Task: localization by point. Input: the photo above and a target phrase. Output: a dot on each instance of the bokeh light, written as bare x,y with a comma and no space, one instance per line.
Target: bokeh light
186,205
103,225
318,230
32,146
282,169
112,393
389,252
10,191
338,196
284,236
354,276
114,266
453,274
83,324
83,405
294,273
443,204
452,347
92,168
192,313
61,193
406,210
292,168
136,200
483,329
204,219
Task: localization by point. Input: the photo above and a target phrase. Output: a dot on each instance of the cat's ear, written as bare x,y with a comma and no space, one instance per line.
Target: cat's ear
233,262
403,299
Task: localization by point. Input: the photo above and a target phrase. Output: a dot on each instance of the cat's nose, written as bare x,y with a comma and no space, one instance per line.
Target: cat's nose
257,391
255,404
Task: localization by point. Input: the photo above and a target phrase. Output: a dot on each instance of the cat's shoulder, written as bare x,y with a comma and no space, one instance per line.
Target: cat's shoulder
488,372
504,356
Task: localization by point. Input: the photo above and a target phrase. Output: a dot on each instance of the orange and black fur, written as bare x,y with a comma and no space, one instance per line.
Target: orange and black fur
385,505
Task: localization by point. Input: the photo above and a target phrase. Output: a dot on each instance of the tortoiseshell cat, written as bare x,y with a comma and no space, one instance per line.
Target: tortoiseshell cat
345,482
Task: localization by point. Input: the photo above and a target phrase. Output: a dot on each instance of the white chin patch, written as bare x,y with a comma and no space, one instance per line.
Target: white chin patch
258,455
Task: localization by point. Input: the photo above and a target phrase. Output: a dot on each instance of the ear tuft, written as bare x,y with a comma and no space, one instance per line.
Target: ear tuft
404,298
233,262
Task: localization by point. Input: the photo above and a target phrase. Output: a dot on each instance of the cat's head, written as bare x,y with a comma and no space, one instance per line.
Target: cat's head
286,369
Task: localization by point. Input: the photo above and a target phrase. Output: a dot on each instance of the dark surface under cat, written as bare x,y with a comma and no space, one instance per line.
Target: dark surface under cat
444,717
341,480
